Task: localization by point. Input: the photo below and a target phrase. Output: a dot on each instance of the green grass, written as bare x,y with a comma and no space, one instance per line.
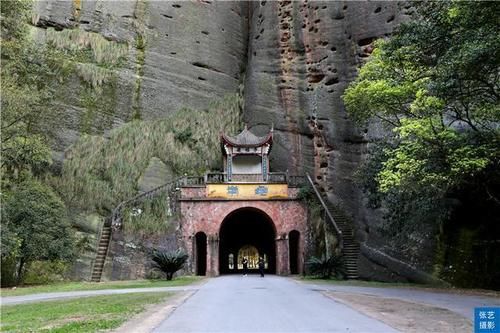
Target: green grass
88,314
72,286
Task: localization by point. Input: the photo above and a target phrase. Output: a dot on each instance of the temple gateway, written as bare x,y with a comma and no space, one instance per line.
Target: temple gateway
244,211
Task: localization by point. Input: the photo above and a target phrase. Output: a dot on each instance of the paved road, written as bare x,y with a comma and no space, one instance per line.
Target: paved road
272,304
461,304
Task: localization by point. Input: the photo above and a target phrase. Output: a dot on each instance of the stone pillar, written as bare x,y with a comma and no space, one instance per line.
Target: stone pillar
229,167
213,255
282,255
192,253
265,168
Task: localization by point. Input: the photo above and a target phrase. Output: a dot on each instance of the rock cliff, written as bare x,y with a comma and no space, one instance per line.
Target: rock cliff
301,57
291,60
179,54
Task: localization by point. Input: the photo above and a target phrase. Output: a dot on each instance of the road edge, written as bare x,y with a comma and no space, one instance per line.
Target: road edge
150,319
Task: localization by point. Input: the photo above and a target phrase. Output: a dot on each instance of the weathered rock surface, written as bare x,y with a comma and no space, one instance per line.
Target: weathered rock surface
181,54
293,58
302,55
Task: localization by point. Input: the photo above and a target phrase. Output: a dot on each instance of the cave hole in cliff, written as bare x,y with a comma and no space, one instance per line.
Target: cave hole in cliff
331,81
247,232
378,9
201,253
176,5
366,41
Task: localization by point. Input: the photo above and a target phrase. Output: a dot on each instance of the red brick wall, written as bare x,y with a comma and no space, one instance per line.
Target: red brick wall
207,216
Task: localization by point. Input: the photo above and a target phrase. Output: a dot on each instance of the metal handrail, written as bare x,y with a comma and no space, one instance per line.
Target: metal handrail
327,212
168,186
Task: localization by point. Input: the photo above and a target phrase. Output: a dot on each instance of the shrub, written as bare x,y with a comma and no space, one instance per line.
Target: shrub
36,220
169,262
43,272
326,267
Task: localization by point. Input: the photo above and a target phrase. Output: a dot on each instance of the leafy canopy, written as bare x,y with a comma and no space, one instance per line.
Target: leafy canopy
435,86
37,226
34,221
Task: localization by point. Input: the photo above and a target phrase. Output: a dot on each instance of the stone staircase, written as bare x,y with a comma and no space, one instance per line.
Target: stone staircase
350,250
344,231
115,220
102,251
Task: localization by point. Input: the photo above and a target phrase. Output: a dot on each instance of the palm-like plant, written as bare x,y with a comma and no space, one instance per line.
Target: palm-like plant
326,267
169,262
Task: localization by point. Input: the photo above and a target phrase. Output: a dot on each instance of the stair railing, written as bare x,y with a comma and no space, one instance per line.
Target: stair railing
97,247
116,216
328,215
115,220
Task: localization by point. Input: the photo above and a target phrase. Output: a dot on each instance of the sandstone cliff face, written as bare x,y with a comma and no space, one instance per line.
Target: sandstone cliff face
302,55
180,54
291,59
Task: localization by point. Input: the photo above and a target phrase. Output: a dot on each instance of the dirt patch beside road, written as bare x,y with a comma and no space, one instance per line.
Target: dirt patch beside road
405,316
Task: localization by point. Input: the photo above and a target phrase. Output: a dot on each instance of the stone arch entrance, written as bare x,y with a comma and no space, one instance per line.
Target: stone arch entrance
246,232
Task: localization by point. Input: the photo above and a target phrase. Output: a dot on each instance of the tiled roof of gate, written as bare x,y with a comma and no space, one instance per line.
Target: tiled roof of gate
247,139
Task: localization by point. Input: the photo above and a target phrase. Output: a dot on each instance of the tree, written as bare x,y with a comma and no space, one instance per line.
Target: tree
38,228
435,85
28,70
169,262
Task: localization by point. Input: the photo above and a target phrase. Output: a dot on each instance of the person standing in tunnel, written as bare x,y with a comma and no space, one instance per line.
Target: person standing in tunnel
261,266
245,266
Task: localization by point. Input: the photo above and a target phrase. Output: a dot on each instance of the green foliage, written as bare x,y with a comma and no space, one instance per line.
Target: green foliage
8,270
44,272
99,173
436,87
169,262
83,285
434,84
13,18
25,153
150,217
36,220
326,267
27,123
306,193
88,314
77,42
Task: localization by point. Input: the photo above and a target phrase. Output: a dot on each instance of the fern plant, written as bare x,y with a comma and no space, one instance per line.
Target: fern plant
169,262
326,267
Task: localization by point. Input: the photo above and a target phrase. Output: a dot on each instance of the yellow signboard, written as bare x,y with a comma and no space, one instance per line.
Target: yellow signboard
247,191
